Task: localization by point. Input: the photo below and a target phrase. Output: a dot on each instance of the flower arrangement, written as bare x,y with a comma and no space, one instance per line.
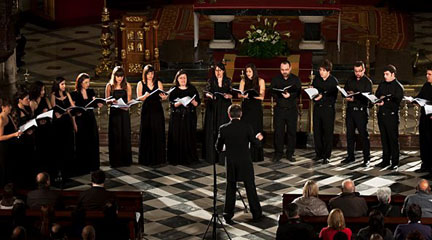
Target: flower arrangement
263,41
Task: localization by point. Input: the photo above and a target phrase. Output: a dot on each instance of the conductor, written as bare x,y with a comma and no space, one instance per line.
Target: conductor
236,136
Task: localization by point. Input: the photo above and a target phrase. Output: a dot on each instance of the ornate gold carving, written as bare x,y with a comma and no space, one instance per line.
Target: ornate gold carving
155,24
156,53
147,54
405,116
131,35
105,65
416,115
135,19
139,47
122,26
140,35
135,67
147,26
123,54
105,15
343,115
131,47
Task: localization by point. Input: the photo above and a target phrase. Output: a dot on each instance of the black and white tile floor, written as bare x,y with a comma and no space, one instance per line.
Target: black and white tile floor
178,199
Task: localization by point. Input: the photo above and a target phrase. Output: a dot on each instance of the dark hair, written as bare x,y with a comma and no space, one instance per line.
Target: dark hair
19,233
35,90
81,77
8,195
429,68
415,235
118,72
254,80
98,177
327,65
286,62
390,68
56,86
376,237
43,181
414,212
340,236
235,111
376,222
359,64
5,102
181,72
147,69
291,210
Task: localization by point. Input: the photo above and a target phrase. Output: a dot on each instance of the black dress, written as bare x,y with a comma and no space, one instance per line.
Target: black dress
87,136
152,131
44,140
6,154
64,141
216,114
119,133
252,113
24,169
182,128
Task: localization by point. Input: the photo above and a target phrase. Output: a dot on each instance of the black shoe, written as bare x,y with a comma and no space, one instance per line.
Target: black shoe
291,158
316,158
229,221
348,160
325,161
276,158
258,218
366,163
421,170
383,164
393,167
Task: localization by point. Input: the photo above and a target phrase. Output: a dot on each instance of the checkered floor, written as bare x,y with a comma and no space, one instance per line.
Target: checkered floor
178,199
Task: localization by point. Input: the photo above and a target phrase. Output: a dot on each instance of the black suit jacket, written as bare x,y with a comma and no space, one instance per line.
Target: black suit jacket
39,197
351,204
236,136
295,229
94,198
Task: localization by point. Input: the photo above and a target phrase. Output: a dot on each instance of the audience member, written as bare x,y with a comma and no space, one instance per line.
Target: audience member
340,236
309,204
414,214
43,196
8,199
422,197
88,233
294,228
376,226
336,223
415,235
376,237
384,205
57,232
97,196
111,228
19,233
349,201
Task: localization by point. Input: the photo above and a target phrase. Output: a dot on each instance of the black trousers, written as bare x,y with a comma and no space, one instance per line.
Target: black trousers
230,198
323,127
357,119
388,124
285,119
425,137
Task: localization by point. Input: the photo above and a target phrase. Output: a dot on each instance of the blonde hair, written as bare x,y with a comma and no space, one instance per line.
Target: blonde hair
336,219
310,189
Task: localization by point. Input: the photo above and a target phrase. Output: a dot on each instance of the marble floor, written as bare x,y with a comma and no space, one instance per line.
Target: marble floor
178,199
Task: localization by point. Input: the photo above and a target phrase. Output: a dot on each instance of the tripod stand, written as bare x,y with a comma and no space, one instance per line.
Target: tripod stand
215,217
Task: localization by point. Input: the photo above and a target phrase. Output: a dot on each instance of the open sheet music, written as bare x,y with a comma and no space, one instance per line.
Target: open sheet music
428,109
312,92
345,94
185,100
250,92
420,101
94,103
121,104
283,90
372,97
28,125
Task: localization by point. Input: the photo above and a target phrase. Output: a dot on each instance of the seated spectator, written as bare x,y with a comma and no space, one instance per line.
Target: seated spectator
349,201
294,228
88,233
335,224
57,232
415,235
422,197
111,228
8,200
43,196
376,226
376,237
384,206
19,233
340,236
414,214
309,204
97,196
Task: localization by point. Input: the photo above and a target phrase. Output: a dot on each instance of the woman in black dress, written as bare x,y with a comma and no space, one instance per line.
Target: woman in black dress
183,122
87,136
24,176
119,126
64,128
44,134
8,137
152,130
218,99
252,111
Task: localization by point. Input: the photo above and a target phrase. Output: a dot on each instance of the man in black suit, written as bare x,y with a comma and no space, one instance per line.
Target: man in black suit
349,201
294,228
414,214
43,196
236,136
97,196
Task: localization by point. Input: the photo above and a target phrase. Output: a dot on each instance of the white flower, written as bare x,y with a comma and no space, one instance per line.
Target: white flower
288,34
274,42
258,31
252,27
259,18
242,40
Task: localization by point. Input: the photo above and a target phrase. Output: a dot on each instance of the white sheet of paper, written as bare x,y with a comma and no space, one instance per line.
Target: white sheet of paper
428,109
312,92
371,97
48,114
28,125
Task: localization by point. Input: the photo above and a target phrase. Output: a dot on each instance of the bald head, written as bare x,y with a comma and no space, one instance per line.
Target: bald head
423,185
348,186
43,180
